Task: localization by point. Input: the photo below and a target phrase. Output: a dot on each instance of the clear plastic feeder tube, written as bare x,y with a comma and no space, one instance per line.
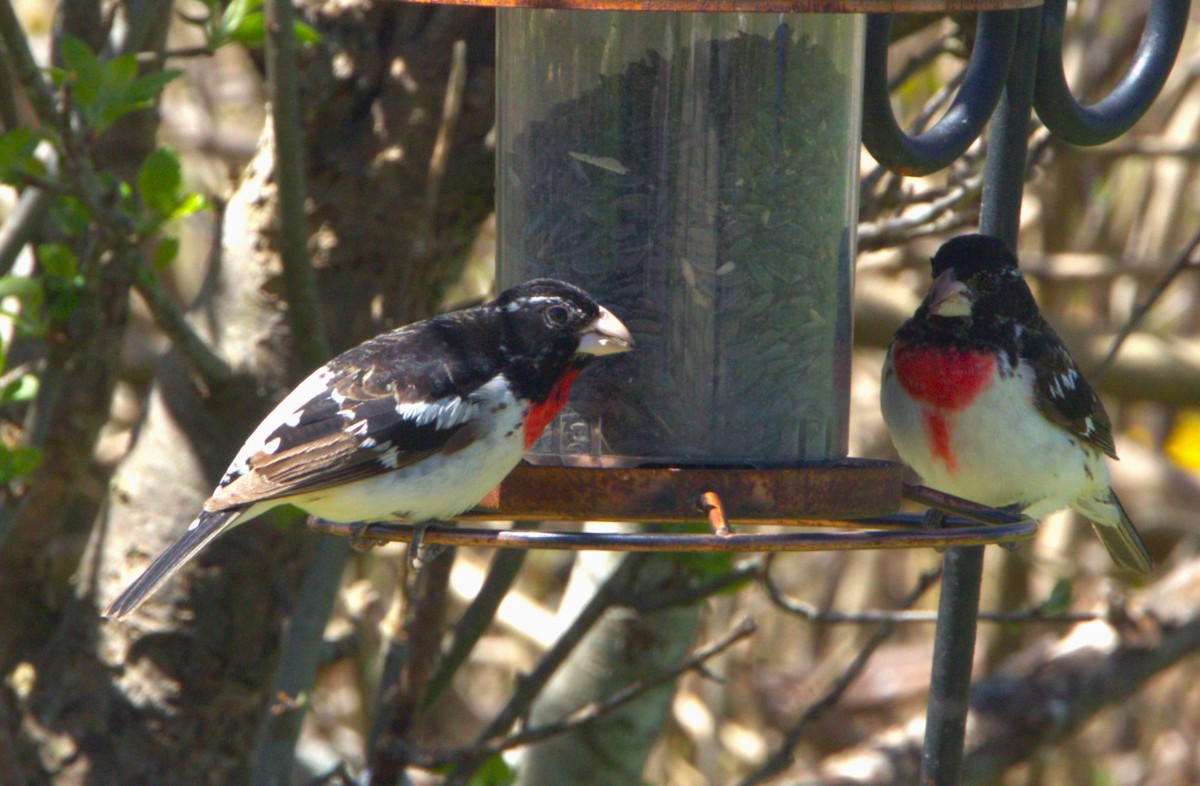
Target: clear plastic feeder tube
698,174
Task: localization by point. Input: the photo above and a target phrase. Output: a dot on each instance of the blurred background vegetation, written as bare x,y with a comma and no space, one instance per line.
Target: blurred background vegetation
177,697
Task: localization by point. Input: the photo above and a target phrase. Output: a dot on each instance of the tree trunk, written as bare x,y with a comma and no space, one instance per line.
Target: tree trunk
623,647
175,695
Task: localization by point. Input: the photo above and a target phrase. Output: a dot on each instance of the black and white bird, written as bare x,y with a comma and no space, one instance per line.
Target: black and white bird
984,401
414,425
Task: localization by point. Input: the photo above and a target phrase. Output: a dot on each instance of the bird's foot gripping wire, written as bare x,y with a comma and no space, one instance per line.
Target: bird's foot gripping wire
934,519
421,554
359,540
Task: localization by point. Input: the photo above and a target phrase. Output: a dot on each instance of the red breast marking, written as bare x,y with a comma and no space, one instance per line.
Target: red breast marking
541,414
945,381
942,377
938,432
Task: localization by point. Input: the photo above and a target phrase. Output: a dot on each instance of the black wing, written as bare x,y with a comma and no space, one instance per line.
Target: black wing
385,404
1064,397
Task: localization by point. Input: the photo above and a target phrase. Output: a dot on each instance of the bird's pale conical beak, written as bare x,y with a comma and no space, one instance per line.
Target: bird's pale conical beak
605,335
949,297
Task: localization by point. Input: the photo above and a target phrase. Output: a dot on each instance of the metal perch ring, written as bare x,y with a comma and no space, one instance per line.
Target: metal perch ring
967,525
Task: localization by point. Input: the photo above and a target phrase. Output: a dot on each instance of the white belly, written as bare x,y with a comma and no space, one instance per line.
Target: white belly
1002,451
437,487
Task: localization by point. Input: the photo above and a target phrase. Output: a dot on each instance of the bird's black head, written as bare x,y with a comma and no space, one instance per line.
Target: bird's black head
548,327
977,275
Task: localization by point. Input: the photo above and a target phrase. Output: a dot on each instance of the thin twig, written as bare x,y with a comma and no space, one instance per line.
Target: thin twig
16,47
21,225
938,215
301,648
181,52
414,650
184,338
478,615
916,63
782,758
1183,262
821,616
451,110
8,99
529,686
592,710
300,282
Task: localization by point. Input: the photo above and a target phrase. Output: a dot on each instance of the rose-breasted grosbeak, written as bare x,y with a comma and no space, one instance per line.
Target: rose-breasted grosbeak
982,399
414,425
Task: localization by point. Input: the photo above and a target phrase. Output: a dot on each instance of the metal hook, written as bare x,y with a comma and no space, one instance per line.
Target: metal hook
1114,114
962,123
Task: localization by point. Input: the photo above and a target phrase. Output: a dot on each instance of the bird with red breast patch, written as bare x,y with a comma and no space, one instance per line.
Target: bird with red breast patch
984,401
415,425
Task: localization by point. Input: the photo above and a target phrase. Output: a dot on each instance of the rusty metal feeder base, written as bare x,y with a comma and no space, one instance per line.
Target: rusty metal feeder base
855,494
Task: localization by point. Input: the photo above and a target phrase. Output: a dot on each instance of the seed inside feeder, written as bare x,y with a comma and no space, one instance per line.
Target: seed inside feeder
700,180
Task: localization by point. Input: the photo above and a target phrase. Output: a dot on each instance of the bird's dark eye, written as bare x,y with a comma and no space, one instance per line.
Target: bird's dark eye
557,316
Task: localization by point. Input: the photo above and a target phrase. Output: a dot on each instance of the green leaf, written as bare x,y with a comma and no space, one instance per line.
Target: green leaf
20,286
111,100
165,252
23,388
158,182
306,35
63,301
86,69
251,31
1062,594
192,203
145,89
494,772
233,19
17,462
57,260
71,216
16,153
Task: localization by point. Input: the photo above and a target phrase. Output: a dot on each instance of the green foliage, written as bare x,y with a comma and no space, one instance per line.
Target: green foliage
57,260
89,220
16,156
160,185
494,772
18,461
106,91
242,22
30,296
20,390
703,565
1062,594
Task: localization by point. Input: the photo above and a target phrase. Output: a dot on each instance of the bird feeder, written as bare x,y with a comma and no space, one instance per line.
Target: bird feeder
693,164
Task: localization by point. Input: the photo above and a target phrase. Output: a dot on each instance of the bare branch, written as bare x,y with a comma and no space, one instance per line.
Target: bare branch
451,110
782,758
16,47
529,686
478,615
411,654
592,711
1098,665
1183,262
820,616
171,320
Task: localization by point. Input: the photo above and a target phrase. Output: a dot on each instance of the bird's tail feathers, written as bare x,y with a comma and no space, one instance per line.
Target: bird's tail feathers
1116,532
207,526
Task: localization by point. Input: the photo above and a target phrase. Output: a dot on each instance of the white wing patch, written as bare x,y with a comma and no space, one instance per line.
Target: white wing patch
286,413
444,413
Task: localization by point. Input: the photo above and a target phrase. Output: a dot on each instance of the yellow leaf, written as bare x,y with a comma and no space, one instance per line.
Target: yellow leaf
1183,443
